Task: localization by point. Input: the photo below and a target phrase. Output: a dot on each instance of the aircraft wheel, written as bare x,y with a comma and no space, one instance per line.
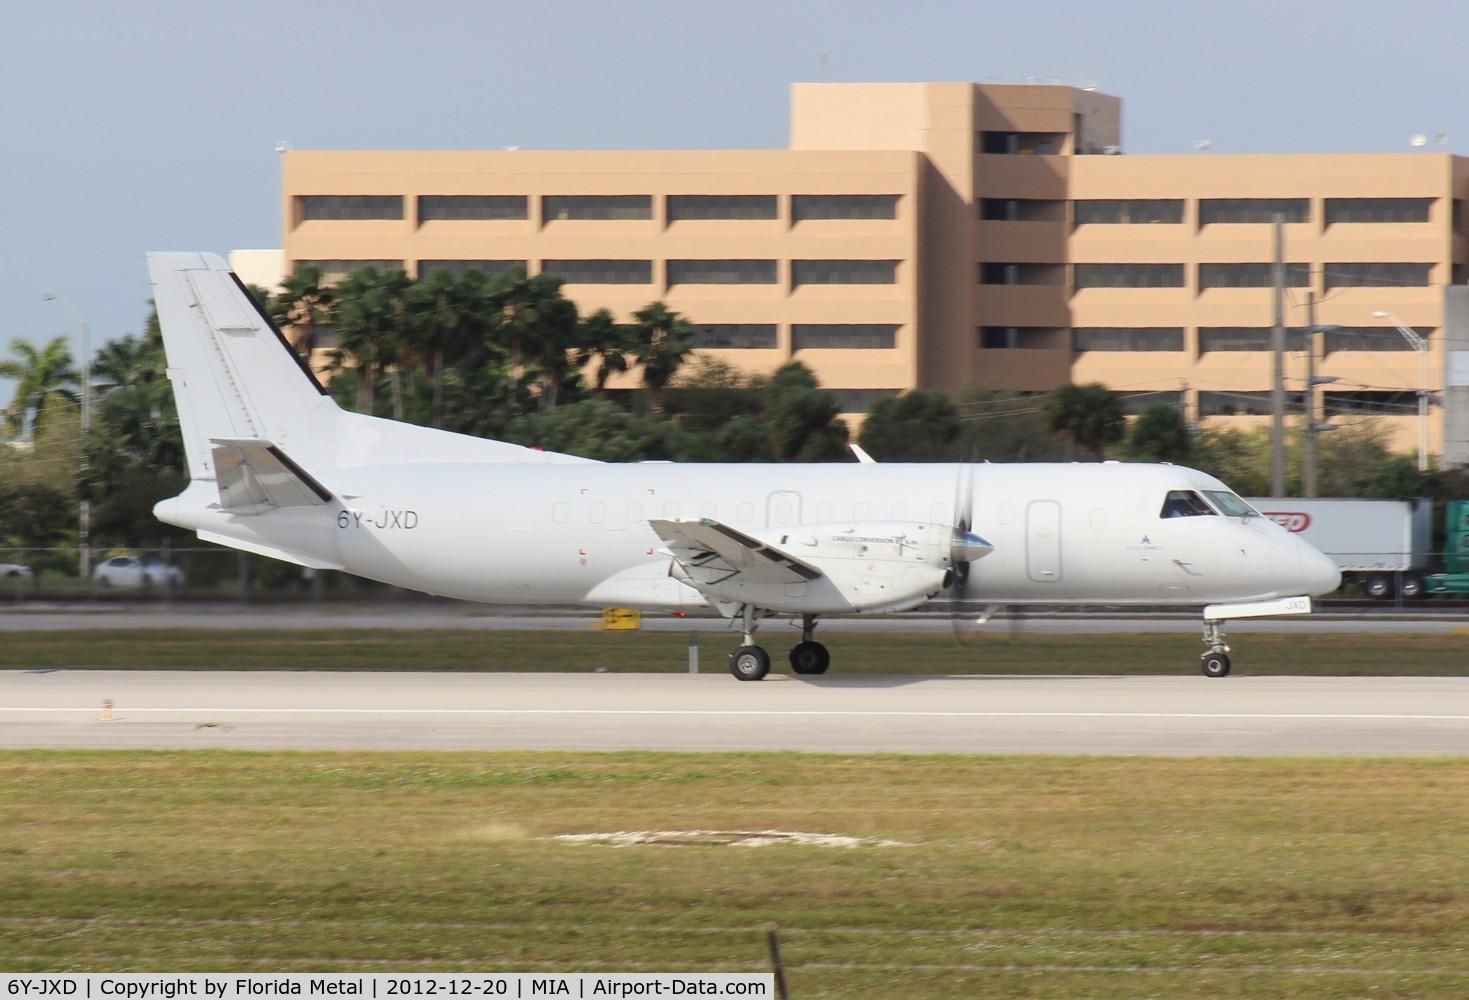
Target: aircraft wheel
810,658
1216,665
749,663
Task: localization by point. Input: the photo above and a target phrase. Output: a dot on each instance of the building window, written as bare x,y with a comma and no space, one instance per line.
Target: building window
1370,338
600,272
1022,274
735,336
1129,211
1377,210
471,207
350,207
1122,338
844,336
683,207
489,268
333,271
1129,275
721,272
1233,210
1245,338
1021,210
861,400
1389,402
1234,404
844,272
1028,143
1362,275
844,206
596,207
1137,402
1022,337
1252,275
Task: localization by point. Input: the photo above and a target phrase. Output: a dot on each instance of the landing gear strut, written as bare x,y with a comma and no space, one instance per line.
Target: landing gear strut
751,662
1216,658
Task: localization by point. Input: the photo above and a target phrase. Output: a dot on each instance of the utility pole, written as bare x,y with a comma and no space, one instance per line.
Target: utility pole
1312,428
1277,381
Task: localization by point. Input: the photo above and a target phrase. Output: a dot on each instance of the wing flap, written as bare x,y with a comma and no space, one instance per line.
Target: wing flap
712,552
255,476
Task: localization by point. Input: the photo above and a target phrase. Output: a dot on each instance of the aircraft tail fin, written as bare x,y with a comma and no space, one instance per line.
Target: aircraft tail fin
234,376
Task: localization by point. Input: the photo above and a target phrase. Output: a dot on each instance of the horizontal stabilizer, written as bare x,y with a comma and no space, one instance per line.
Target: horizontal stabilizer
712,552
270,551
255,477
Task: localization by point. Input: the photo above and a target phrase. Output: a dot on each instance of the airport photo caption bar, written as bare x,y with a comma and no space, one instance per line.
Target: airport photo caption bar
382,986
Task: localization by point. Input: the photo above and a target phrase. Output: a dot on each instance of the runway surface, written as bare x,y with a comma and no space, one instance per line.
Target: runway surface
1030,714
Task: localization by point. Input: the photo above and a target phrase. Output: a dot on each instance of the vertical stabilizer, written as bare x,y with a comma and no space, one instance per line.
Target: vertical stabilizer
233,374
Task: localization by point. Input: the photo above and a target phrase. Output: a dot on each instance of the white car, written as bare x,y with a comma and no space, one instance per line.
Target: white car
130,571
14,570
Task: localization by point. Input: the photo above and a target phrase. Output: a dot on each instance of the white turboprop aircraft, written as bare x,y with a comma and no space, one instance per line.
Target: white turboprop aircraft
278,469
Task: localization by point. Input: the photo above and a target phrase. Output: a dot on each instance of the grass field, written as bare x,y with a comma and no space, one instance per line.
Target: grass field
1015,876
853,653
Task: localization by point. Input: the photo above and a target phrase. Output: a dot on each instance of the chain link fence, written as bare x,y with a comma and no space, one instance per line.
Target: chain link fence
196,574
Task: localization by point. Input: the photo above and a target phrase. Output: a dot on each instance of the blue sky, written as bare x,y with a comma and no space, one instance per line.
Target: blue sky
153,125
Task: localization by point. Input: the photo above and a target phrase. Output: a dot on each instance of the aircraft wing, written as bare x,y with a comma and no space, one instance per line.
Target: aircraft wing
711,552
255,476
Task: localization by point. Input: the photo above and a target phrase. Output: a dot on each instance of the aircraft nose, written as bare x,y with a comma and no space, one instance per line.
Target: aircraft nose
1321,572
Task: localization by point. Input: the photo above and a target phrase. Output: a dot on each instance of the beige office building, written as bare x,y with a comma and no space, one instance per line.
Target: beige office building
947,234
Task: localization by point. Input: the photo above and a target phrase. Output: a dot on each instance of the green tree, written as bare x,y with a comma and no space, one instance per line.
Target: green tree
603,341
538,327
304,305
42,374
436,314
922,425
1003,426
662,339
1160,434
1240,459
596,429
803,420
1088,415
370,316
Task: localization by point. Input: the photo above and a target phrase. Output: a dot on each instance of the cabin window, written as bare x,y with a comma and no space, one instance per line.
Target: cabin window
1185,503
634,513
560,511
745,512
597,512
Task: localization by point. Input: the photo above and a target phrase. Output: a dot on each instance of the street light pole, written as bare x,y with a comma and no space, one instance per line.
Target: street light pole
1420,345
84,509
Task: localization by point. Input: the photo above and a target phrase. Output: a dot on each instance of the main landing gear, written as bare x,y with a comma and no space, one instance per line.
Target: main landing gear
751,662
1216,658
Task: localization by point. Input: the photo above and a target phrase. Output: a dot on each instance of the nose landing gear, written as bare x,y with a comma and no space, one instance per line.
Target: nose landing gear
1216,658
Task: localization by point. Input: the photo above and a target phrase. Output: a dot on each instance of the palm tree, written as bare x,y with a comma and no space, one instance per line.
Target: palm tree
370,330
304,304
1089,415
606,343
41,375
537,322
435,314
662,340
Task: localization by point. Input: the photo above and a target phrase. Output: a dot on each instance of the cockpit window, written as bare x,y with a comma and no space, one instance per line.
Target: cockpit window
1230,505
1185,503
